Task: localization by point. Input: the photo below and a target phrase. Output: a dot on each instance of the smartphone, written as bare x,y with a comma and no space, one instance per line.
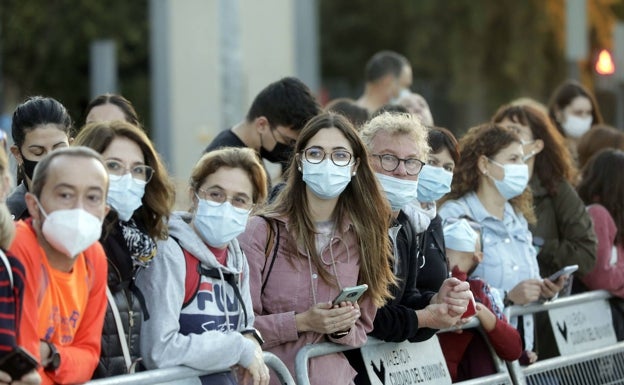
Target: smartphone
350,294
17,363
565,271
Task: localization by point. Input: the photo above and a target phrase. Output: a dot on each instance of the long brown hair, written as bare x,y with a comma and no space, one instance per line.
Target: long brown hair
159,192
603,183
362,202
601,136
554,163
485,140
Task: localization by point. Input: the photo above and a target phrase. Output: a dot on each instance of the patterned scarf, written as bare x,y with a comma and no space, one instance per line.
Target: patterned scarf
142,247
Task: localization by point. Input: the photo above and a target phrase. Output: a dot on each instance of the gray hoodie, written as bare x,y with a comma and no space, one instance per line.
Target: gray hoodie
217,345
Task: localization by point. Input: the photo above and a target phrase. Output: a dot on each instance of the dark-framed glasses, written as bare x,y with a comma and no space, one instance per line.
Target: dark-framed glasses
316,155
141,172
217,195
391,162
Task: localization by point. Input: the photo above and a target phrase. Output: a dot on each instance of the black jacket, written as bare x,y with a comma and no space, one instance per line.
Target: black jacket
121,283
435,266
396,321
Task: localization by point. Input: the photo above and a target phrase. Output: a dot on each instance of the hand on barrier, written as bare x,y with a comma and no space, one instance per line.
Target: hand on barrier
31,378
436,316
327,319
526,291
456,294
257,373
486,317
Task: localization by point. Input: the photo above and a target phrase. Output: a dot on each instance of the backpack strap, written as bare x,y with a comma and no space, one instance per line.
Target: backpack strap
272,244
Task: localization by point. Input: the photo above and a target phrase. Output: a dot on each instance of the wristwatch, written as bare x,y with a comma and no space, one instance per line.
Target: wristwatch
54,358
507,301
255,333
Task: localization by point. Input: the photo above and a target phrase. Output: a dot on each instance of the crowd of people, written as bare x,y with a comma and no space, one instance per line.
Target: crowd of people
101,276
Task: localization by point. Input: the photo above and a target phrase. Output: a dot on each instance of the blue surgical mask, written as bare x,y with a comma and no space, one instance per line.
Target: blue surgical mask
515,180
125,195
219,223
325,179
433,183
399,192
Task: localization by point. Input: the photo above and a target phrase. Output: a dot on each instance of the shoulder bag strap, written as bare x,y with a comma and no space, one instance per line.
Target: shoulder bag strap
120,329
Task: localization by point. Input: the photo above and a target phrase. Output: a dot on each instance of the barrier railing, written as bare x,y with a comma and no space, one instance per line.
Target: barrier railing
603,365
595,366
600,365
167,375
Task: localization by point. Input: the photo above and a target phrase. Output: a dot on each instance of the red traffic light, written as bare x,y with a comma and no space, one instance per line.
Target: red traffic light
604,64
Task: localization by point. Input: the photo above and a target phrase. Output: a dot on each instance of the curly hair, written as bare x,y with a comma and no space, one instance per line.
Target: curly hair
486,140
554,163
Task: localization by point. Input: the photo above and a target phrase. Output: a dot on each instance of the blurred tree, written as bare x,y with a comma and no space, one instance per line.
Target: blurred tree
46,47
468,56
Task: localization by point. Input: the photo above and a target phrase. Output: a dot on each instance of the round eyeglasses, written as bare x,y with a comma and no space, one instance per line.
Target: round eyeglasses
316,155
141,172
217,195
390,163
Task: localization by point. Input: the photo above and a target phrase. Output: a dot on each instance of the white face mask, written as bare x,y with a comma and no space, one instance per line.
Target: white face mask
219,223
515,180
399,192
125,194
325,179
71,231
575,127
433,183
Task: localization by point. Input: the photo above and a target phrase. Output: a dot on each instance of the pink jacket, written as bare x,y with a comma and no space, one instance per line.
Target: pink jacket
289,291
608,273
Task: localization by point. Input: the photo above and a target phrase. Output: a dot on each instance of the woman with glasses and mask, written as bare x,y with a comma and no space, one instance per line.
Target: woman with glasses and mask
490,185
326,231
197,290
39,125
141,198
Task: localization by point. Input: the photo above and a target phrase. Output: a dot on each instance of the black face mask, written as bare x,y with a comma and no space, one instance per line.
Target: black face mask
280,154
29,167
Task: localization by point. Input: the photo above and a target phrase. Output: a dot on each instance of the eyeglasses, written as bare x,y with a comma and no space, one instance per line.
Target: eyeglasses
219,196
315,155
141,172
473,225
390,163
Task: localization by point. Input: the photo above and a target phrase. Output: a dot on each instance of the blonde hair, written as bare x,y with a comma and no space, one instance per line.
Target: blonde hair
396,124
7,226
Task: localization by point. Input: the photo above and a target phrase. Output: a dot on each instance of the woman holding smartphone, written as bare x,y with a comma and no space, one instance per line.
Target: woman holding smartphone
327,230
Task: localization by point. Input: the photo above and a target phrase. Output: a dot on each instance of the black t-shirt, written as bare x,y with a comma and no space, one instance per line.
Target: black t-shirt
225,138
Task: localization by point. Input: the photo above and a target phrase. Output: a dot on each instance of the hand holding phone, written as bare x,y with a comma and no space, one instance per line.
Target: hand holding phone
564,271
350,294
17,363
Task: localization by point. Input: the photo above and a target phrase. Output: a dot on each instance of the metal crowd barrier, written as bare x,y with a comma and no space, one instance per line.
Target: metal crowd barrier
592,367
168,375
603,366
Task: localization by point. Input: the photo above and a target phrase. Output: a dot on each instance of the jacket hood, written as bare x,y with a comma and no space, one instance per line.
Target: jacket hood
180,228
